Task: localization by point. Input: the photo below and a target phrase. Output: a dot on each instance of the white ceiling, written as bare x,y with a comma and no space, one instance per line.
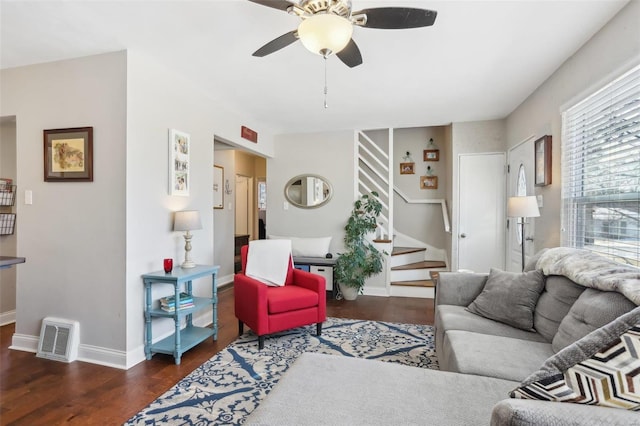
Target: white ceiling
479,61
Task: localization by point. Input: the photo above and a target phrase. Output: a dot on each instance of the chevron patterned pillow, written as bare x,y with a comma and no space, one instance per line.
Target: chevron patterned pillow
608,375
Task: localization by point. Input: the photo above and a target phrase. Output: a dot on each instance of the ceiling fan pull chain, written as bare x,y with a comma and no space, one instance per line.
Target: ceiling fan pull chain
325,82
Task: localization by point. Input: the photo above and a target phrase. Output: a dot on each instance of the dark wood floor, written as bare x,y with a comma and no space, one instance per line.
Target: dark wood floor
34,391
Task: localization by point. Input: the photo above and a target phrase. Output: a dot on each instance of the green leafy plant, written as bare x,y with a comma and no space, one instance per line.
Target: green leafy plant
361,258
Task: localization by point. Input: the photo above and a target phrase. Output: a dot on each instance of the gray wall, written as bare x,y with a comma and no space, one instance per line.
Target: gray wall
327,154
8,242
613,50
223,219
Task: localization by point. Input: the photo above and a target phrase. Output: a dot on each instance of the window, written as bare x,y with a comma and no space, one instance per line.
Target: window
601,171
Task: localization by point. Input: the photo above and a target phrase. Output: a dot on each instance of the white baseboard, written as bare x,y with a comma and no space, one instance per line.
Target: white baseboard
226,280
7,317
409,291
376,291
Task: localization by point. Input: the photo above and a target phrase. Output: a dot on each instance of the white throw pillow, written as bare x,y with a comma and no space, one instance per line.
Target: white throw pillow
306,247
268,261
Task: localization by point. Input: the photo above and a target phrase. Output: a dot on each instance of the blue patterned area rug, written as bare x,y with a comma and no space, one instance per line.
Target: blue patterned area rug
225,389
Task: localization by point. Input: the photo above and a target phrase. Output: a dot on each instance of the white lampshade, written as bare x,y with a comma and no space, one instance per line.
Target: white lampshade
187,220
325,33
522,207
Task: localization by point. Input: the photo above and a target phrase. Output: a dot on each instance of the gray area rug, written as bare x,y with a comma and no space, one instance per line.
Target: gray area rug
228,387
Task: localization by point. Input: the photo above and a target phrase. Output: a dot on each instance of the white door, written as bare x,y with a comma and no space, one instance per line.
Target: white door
520,183
481,219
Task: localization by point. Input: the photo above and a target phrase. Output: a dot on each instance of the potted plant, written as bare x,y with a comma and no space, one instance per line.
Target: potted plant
361,258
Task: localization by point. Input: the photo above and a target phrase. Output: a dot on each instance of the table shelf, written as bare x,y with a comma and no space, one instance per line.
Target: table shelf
181,340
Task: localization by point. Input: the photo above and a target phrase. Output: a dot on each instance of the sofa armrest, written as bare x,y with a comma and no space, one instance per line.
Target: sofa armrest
457,288
520,412
315,283
250,300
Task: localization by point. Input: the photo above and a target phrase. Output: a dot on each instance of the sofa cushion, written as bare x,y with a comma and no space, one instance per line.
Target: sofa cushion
510,297
599,369
290,298
558,296
592,310
451,317
492,356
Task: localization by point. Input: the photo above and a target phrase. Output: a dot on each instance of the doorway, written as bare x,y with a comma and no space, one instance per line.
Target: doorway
244,212
482,211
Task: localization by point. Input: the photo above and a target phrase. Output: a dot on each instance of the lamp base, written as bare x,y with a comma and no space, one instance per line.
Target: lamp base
188,264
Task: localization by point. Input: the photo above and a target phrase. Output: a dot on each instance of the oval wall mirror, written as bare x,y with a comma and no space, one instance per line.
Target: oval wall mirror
308,191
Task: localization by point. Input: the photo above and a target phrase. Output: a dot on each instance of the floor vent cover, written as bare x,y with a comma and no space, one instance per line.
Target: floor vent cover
59,339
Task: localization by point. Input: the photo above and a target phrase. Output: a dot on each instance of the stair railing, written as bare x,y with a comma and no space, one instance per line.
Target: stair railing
441,201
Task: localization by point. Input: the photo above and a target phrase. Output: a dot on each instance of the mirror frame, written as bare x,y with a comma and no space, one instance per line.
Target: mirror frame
299,177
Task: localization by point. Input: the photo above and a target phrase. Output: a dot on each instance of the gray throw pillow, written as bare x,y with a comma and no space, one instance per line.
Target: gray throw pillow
599,369
509,297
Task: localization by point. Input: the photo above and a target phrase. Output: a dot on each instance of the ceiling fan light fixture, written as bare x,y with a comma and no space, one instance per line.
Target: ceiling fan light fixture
325,33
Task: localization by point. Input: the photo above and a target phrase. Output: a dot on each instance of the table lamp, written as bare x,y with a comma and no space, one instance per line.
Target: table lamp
522,207
187,220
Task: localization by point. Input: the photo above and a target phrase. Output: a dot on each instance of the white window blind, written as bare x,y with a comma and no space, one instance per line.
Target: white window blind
601,171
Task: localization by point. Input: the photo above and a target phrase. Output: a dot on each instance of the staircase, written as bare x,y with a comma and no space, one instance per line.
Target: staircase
411,262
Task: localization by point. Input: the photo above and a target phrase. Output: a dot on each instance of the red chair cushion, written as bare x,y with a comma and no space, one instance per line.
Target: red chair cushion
290,298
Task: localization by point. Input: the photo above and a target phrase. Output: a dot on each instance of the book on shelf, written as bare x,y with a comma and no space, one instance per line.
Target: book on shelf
173,308
171,300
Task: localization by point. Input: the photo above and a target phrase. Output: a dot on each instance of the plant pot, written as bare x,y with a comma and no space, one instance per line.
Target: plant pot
348,293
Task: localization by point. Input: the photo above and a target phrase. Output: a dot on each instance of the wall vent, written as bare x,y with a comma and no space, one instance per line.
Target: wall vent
59,339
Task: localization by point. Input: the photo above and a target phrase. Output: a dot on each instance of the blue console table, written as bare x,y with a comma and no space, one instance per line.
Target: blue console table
181,340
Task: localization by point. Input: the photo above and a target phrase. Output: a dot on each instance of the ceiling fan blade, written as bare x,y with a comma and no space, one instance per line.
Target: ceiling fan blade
277,44
395,18
276,4
350,55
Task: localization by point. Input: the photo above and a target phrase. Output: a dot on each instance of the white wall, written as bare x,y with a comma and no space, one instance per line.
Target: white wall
88,243
610,52
8,242
330,155
223,244
157,101
73,234
470,137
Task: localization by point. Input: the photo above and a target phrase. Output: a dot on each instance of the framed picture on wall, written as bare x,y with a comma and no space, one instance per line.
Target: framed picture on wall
179,163
407,168
431,155
428,182
543,161
68,155
218,183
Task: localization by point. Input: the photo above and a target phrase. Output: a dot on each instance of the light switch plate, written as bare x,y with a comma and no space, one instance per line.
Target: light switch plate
539,200
28,196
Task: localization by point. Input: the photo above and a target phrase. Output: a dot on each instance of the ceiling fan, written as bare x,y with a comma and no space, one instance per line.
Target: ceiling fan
327,25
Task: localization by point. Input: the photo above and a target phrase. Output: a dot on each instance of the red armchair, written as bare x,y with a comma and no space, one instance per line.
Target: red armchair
266,310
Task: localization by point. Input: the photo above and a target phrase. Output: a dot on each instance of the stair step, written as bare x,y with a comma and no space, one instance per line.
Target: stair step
405,250
425,264
417,283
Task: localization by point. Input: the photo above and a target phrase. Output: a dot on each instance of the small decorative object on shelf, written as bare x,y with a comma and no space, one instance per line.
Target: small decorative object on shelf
168,265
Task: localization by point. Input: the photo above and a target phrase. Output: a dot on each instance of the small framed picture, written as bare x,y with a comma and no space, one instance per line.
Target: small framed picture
179,163
407,168
428,182
68,155
431,155
543,161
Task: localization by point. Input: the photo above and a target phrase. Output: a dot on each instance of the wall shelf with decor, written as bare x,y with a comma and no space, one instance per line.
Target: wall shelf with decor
7,200
7,195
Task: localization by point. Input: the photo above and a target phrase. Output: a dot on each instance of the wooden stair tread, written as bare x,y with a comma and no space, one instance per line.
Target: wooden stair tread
425,264
416,283
406,250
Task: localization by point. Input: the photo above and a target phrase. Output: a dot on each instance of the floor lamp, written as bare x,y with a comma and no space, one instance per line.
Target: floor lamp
522,207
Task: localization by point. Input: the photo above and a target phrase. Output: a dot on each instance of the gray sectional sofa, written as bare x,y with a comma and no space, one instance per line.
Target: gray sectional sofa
564,309
564,312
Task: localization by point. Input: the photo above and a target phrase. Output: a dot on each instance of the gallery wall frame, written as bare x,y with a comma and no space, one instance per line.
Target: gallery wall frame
179,165
407,168
218,187
428,182
542,160
431,155
68,154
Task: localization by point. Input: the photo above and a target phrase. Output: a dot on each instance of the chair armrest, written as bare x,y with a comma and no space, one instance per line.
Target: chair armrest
520,412
250,299
457,288
315,283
